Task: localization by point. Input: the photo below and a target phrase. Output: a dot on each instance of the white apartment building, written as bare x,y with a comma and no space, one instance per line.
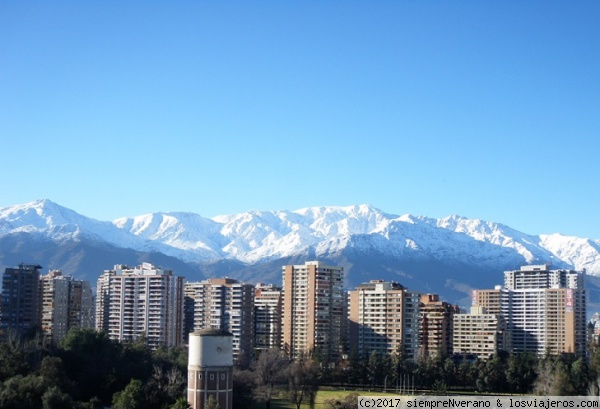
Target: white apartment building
267,317
313,310
222,303
141,301
384,317
545,310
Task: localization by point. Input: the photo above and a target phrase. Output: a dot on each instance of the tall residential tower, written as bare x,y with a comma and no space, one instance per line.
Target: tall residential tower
313,310
384,317
225,304
20,299
545,310
141,301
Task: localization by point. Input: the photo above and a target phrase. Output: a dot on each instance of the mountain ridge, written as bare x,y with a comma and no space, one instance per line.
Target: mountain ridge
255,236
453,253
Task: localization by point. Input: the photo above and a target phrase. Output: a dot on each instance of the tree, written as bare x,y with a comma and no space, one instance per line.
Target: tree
492,375
97,373
439,387
129,398
553,378
181,403
22,392
580,376
243,385
53,372
268,370
212,403
520,374
13,361
302,377
164,388
54,398
375,368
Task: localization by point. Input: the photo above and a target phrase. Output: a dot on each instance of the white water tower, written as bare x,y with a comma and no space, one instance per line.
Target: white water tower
210,368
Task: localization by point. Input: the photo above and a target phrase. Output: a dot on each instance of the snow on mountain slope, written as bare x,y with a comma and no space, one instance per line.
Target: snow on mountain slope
577,252
196,237
256,235
260,236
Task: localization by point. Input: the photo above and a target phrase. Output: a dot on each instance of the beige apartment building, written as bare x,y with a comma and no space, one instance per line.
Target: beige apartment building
478,334
225,304
544,310
64,303
436,325
141,301
313,310
384,317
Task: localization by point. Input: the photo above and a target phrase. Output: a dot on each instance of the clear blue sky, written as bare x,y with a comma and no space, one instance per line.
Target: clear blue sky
484,109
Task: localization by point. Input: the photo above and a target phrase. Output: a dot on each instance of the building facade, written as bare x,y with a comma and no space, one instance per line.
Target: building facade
478,334
384,317
313,310
436,325
144,301
545,310
267,317
225,304
65,303
20,300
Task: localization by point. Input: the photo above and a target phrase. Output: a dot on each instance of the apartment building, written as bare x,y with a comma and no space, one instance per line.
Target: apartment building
65,303
20,299
384,317
225,304
313,310
545,310
142,301
436,325
478,333
267,317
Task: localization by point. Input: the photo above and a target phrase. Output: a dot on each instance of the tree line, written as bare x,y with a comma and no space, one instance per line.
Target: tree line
87,370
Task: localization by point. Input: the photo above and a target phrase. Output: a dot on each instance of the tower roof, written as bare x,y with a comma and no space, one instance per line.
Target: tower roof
212,332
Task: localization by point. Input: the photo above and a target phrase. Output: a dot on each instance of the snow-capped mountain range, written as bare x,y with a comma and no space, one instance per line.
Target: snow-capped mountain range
258,236
349,235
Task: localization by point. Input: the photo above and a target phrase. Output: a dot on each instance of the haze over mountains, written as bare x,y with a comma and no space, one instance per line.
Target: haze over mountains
449,256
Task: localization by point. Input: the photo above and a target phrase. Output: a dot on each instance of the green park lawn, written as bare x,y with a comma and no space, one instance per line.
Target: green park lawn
283,402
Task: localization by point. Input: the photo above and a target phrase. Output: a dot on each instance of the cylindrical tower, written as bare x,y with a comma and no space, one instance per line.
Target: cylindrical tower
210,368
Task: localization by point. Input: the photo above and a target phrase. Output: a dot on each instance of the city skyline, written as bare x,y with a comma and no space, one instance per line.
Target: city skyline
486,111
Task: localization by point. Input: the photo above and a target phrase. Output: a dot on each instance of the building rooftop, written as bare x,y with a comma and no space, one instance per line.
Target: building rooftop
212,332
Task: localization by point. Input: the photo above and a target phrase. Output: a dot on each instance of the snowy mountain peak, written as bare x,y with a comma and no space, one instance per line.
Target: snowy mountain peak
39,215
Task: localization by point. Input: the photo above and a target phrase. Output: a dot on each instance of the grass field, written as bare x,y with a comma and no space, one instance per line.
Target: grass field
284,403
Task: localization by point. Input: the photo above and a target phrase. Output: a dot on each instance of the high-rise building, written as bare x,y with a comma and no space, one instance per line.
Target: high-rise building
103,299
478,334
20,299
436,325
313,310
267,317
544,309
384,317
142,301
65,303
225,304
82,305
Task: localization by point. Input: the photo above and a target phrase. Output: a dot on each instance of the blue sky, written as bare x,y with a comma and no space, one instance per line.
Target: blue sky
488,110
